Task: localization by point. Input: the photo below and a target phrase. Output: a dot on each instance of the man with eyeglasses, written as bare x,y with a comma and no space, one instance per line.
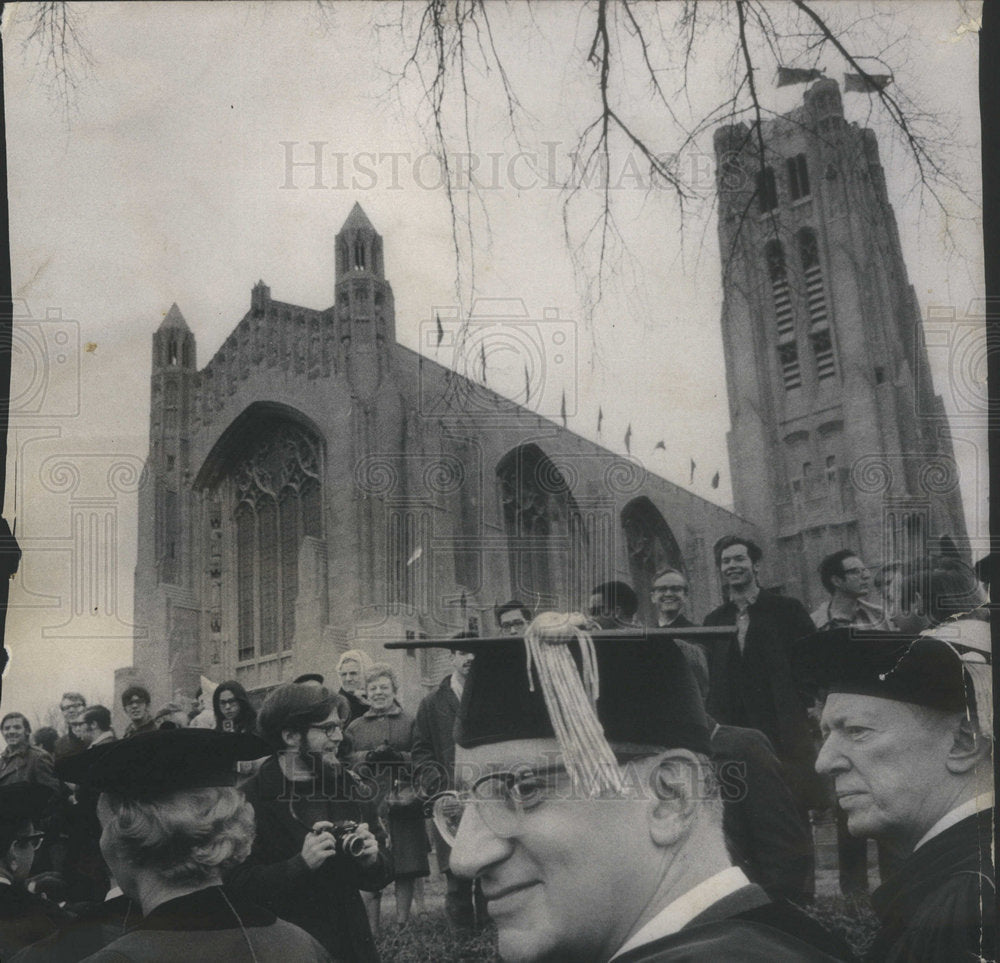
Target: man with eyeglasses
603,842
318,839
135,702
72,706
669,593
512,617
24,917
848,581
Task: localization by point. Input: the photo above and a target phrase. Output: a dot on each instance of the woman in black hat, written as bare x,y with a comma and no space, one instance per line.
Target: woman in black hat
172,824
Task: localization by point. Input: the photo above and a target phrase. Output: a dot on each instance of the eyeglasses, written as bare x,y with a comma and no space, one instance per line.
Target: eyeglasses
75,705
329,729
501,799
512,624
34,840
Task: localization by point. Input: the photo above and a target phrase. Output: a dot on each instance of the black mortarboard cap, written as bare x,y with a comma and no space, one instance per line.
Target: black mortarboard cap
647,696
161,762
917,669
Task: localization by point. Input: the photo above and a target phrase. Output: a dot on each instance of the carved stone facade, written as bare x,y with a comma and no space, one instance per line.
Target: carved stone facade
317,487
838,439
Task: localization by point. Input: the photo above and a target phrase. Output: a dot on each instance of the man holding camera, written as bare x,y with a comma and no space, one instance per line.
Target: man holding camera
318,836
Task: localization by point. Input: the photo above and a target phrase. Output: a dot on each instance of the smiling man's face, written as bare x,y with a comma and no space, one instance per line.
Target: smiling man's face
568,884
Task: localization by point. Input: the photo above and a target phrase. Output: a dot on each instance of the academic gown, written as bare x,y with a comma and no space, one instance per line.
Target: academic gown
25,918
749,927
95,926
208,927
940,907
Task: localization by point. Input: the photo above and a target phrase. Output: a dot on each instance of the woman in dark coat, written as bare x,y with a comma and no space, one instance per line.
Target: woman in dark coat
382,743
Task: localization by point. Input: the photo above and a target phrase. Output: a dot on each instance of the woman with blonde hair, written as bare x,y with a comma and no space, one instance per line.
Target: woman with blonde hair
172,824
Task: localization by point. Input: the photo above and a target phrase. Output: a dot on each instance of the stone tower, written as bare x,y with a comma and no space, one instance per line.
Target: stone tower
365,313
838,439
164,569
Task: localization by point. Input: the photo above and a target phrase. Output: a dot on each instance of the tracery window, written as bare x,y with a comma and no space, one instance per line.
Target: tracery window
546,540
277,502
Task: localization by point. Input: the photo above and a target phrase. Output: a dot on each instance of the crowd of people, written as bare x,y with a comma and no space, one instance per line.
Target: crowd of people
213,828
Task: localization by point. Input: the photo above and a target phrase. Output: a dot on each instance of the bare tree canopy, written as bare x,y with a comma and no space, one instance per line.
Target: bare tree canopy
652,81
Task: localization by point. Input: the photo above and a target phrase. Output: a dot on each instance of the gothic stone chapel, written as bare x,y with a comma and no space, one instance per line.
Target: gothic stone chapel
318,487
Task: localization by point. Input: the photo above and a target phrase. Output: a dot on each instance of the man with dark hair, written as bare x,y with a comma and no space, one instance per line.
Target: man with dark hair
849,582
751,679
71,705
21,761
319,839
135,702
613,605
595,825
97,720
434,772
512,617
908,727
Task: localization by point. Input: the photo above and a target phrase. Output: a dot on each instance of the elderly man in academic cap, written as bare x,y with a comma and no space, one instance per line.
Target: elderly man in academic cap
172,823
588,810
909,744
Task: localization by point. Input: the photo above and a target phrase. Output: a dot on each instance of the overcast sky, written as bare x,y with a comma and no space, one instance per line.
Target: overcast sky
167,180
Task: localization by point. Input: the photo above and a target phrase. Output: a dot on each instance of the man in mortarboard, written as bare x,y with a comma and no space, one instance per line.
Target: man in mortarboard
909,744
589,812
172,823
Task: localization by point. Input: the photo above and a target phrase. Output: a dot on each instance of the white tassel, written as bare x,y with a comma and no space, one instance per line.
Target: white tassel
571,699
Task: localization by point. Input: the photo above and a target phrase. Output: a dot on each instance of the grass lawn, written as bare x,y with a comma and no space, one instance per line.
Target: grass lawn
428,939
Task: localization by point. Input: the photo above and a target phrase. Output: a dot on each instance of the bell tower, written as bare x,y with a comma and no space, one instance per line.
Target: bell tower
365,313
838,439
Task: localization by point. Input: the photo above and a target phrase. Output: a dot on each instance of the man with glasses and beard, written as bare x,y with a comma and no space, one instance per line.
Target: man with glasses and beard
318,836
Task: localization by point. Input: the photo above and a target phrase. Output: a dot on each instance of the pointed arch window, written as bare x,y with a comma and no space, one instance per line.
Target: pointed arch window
788,352
359,255
651,548
277,497
546,536
819,318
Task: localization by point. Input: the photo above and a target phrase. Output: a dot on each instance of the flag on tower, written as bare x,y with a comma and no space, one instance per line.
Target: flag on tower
660,444
797,75
866,83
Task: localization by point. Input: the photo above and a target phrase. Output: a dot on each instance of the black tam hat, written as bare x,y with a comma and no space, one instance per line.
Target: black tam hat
161,762
921,670
646,694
